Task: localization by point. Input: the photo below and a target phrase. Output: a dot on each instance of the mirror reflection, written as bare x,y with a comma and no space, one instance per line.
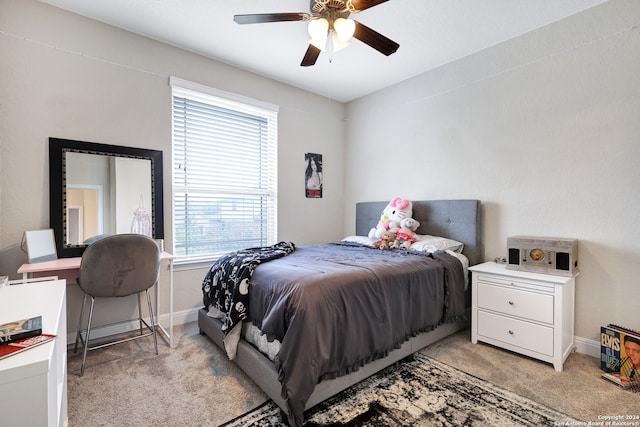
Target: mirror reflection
106,195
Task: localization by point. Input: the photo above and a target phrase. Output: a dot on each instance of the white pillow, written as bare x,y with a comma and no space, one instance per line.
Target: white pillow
426,243
363,240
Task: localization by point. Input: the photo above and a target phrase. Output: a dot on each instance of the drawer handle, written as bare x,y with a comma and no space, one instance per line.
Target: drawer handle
511,303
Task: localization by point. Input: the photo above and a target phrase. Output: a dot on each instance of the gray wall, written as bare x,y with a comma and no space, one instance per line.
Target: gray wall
67,76
543,129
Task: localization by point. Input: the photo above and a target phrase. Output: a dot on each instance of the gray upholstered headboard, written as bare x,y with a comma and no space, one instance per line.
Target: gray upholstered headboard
455,219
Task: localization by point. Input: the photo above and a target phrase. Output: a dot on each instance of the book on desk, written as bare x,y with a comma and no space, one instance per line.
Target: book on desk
19,329
18,346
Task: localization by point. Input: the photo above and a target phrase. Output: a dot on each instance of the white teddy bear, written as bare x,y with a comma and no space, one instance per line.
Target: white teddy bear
406,234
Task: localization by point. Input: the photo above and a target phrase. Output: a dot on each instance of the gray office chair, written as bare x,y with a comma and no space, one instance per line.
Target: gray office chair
118,266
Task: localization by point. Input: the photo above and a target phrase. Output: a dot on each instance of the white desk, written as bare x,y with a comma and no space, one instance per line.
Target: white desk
69,268
33,383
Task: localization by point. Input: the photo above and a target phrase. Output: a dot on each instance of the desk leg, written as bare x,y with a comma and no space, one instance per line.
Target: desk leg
171,303
167,335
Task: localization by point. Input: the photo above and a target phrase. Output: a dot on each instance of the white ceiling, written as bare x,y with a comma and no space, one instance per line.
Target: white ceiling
431,33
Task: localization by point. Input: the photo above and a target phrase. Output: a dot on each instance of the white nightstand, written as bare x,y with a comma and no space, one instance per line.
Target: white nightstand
528,313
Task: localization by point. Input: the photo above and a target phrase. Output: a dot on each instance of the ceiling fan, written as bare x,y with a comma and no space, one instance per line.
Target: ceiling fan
329,22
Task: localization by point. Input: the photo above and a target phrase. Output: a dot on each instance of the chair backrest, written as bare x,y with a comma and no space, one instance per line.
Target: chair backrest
119,265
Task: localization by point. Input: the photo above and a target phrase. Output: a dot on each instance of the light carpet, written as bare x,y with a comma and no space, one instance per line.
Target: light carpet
420,392
194,384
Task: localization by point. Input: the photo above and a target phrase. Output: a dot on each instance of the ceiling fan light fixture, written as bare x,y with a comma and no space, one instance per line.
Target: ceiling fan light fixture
318,29
337,43
344,28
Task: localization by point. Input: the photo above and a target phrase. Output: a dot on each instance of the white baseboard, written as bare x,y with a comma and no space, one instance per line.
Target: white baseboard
582,345
179,318
587,346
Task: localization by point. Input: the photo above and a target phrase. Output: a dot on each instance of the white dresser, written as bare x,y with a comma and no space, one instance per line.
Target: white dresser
528,313
33,383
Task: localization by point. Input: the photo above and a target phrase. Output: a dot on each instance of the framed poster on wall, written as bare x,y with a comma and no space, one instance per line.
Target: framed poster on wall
313,175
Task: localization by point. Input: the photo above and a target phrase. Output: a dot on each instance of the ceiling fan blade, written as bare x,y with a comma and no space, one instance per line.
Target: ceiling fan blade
374,39
260,18
360,5
310,56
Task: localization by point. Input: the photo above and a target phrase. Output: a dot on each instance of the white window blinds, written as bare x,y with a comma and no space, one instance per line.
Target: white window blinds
224,172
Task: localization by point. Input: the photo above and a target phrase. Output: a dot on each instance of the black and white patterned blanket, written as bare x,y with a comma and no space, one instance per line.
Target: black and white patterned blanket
226,286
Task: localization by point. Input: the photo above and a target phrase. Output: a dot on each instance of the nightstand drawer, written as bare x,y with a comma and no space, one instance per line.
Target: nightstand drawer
515,302
516,332
516,282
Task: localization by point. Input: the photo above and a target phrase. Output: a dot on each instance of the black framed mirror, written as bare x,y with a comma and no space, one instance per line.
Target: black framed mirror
98,189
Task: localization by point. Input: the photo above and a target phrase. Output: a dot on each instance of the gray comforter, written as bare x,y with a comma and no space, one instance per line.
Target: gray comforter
336,307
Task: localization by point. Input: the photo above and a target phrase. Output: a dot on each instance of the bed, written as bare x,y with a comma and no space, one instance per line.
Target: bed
284,376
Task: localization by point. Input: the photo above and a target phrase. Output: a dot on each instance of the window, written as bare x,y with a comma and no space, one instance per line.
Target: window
224,172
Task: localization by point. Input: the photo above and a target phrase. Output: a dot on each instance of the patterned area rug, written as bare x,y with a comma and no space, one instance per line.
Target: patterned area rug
421,392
